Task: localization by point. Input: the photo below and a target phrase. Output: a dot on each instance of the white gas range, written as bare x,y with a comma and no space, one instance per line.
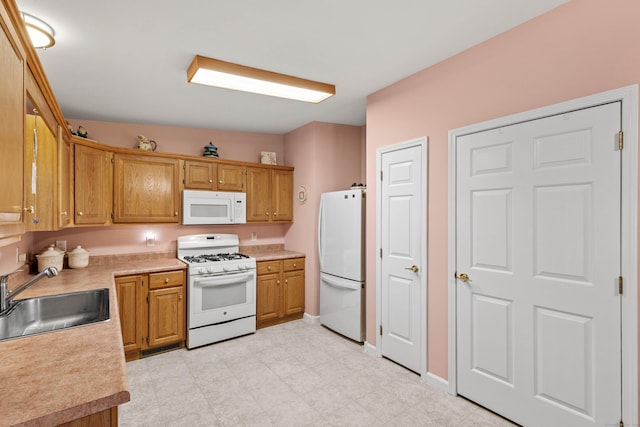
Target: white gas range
222,288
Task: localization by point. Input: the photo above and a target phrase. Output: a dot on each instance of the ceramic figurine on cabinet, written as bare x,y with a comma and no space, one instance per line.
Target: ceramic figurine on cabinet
210,150
146,144
73,132
82,132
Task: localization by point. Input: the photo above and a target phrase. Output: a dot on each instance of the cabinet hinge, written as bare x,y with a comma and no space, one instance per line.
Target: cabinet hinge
620,285
147,340
111,215
380,175
113,160
142,282
147,301
380,252
620,140
621,423
380,330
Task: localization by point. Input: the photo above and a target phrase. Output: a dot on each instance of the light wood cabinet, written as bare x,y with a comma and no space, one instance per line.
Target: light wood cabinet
65,179
12,110
231,177
279,291
199,175
41,155
152,311
145,189
92,185
269,195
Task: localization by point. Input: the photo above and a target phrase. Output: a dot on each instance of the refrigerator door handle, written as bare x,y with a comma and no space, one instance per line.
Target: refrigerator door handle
337,284
320,226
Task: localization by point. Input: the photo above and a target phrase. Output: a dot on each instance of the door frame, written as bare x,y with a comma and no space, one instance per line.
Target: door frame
629,231
423,143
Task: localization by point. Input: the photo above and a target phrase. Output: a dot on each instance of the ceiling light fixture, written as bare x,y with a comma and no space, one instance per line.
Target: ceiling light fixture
40,33
213,72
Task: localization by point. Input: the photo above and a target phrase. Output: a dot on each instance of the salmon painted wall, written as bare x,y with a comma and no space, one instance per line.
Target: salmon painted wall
232,145
327,157
578,49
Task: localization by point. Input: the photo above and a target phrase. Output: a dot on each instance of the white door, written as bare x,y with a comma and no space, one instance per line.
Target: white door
403,280
538,235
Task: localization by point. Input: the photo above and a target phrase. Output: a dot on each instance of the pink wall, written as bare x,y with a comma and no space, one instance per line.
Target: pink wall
232,145
580,48
327,157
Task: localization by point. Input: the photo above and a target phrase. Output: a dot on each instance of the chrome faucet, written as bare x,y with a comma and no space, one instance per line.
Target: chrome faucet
6,296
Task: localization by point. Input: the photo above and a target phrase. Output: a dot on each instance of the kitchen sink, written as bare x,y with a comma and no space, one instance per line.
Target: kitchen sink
53,313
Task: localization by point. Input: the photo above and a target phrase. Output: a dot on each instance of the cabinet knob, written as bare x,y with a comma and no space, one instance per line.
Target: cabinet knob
278,282
220,182
175,213
210,181
63,213
286,280
180,297
275,214
266,213
294,265
80,213
166,280
268,267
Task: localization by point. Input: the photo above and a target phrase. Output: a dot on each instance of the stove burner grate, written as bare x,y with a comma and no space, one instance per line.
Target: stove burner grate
214,257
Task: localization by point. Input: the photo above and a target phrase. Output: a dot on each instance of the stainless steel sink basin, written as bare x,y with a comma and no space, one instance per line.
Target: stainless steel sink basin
55,312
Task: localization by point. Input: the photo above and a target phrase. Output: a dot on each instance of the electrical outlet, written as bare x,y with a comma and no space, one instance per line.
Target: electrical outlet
22,257
151,240
62,245
254,236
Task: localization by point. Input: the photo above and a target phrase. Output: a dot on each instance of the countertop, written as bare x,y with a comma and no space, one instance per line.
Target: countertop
267,253
64,375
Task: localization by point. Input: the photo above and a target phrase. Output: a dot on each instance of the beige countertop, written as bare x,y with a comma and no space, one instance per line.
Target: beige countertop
60,376
270,253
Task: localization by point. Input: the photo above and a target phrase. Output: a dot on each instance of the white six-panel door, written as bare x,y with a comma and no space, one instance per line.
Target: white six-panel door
402,219
538,235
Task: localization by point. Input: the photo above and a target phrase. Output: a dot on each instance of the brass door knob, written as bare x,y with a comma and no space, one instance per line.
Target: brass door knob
413,268
463,277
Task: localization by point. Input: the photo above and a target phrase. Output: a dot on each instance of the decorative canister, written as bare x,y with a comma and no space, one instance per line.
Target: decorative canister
50,257
78,258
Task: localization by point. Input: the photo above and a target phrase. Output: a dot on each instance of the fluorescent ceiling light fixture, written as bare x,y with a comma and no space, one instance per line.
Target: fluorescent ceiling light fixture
213,72
40,33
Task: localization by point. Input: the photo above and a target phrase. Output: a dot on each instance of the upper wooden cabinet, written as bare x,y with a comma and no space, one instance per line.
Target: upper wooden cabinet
12,110
92,185
146,189
65,180
200,175
231,177
269,195
41,153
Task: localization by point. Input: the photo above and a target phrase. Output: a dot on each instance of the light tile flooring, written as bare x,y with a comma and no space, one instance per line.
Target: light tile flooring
294,374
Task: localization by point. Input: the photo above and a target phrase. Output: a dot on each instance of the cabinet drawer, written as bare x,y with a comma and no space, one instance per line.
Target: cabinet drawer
268,267
293,264
166,279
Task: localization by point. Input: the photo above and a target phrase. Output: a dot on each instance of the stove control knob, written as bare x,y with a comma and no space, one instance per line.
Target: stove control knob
210,269
226,268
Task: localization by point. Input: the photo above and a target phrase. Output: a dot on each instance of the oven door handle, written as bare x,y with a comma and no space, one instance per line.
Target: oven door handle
224,279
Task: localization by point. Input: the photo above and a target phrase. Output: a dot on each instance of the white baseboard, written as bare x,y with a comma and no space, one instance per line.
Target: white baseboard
371,349
436,381
314,320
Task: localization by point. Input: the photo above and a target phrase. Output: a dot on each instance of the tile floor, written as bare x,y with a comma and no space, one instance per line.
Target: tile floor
294,374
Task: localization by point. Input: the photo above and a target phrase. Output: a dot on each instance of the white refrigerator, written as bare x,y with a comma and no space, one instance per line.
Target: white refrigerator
342,270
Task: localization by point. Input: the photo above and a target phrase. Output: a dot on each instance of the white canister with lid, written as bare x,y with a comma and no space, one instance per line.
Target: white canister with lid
78,258
51,257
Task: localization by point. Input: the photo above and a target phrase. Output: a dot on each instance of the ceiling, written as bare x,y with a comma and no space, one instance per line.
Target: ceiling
126,61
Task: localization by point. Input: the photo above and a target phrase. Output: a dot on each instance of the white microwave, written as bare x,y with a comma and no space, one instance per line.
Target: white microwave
213,207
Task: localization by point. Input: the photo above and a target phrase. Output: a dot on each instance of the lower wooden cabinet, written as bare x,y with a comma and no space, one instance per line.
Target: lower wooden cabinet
152,311
279,291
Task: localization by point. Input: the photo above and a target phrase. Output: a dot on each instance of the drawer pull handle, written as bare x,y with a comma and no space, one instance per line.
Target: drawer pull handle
166,280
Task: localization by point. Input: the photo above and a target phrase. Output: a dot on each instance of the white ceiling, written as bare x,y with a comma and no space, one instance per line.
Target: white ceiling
126,60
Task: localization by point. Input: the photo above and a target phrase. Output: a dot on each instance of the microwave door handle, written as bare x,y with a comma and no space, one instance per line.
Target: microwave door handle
226,279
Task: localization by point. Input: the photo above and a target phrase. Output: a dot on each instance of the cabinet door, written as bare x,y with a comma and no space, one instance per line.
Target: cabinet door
129,291
231,177
282,195
145,189
92,185
40,174
166,316
267,297
258,194
200,175
11,133
64,181
293,297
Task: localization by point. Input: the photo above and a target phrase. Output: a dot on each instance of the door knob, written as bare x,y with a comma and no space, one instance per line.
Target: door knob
463,277
413,268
